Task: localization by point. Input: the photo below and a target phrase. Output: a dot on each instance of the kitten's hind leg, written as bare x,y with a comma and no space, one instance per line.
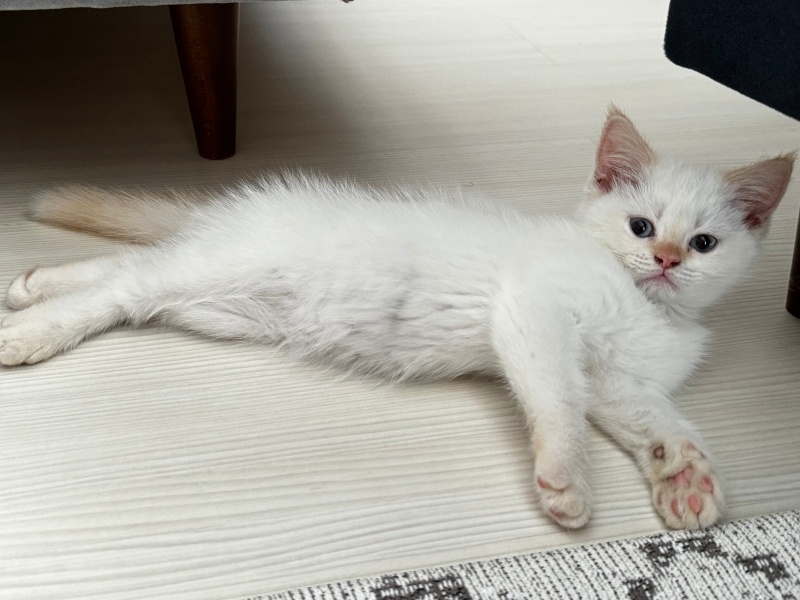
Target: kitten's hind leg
43,283
541,360
42,330
129,288
222,318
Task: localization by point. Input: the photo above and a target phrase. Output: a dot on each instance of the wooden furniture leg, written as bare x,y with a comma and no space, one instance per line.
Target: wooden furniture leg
207,37
793,297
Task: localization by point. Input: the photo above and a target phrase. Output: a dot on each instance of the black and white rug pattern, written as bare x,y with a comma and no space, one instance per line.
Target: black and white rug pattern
754,559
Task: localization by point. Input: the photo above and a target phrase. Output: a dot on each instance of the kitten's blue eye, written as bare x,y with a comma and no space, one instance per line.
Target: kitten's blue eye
703,242
642,227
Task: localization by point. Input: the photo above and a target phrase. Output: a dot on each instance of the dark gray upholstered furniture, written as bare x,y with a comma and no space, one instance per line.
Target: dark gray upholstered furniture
206,34
752,47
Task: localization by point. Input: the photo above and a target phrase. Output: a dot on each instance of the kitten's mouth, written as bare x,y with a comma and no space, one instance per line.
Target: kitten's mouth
660,280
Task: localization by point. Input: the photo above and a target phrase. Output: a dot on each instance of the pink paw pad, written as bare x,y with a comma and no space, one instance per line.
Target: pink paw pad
545,485
684,478
706,484
695,504
659,452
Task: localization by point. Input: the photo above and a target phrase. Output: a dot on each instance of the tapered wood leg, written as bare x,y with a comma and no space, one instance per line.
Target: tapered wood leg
207,37
793,298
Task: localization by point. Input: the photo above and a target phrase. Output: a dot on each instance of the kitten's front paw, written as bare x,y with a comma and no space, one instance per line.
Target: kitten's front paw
686,491
565,499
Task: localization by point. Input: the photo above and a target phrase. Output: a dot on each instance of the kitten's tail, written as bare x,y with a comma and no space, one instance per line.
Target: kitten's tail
142,217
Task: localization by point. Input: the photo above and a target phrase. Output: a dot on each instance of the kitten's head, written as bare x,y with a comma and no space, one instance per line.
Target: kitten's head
686,234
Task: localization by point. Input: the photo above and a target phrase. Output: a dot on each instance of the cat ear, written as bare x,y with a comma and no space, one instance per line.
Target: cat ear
622,154
758,188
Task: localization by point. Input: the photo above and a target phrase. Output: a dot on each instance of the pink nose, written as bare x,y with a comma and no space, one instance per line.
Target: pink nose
667,260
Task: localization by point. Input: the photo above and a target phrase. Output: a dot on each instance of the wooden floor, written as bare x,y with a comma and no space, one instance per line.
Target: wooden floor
153,464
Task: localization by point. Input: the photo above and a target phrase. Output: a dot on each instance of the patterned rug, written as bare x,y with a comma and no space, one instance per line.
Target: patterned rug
756,559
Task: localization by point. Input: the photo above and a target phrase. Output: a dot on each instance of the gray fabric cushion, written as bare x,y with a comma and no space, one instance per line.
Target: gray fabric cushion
38,4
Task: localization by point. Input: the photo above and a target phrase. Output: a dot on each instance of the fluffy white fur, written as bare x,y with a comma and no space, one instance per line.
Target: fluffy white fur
427,285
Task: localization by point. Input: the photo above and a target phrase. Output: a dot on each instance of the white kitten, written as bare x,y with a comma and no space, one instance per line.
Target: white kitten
589,318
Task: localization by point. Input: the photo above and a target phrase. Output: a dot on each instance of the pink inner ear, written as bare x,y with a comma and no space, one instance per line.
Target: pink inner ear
759,188
604,174
622,154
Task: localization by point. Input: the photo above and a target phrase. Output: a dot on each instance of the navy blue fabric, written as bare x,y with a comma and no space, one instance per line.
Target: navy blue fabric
751,46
